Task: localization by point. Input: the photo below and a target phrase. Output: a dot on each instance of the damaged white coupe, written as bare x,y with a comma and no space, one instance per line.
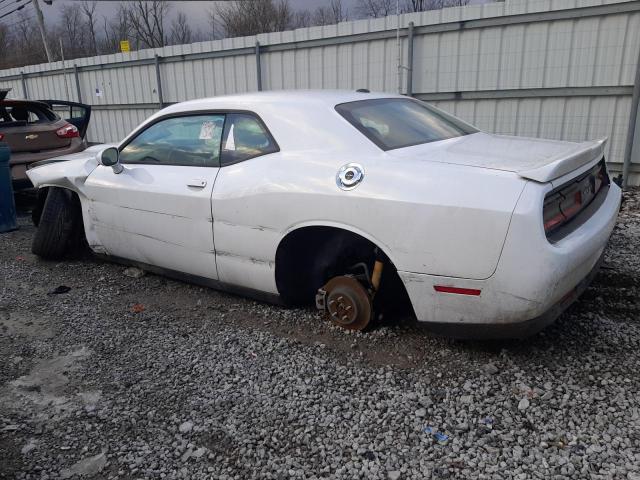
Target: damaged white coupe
356,201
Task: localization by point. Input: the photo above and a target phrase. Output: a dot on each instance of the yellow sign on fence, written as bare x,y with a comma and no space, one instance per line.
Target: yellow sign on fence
124,46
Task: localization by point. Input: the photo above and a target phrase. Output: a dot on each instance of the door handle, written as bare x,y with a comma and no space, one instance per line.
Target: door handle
197,182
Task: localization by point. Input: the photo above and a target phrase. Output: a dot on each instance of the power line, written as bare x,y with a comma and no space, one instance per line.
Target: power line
10,4
25,2
21,21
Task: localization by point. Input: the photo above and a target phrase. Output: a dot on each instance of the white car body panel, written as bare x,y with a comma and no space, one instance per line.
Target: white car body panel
545,160
154,214
466,211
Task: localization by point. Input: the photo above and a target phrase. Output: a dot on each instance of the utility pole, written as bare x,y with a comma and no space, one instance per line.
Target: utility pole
64,70
43,34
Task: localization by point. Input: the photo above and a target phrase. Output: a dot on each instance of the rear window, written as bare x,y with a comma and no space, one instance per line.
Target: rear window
23,114
397,122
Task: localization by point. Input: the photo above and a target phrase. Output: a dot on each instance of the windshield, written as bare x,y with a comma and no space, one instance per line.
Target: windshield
397,122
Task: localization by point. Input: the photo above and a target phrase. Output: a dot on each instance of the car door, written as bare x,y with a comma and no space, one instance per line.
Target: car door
77,114
157,211
244,238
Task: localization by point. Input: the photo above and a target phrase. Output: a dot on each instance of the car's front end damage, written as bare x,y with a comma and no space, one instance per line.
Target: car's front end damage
555,242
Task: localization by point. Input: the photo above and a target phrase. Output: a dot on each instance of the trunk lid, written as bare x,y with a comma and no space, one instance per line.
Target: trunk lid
35,137
531,158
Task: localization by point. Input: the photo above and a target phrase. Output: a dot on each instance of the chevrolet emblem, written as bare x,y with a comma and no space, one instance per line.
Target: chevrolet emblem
33,136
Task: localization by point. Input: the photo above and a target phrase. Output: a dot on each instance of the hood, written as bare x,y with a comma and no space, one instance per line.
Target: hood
86,154
531,158
68,171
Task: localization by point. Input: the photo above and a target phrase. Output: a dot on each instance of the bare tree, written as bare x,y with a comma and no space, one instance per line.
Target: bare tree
71,30
213,23
302,18
28,47
116,29
180,30
146,24
251,17
376,8
6,43
88,9
147,20
422,5
330,14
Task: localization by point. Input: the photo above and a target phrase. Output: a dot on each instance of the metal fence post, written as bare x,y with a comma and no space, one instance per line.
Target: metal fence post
77,77
258,67
410,60
632,146
159,82
25,93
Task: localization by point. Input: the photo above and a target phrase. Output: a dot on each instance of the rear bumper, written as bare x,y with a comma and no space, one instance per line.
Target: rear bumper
19,162
526,328
535,280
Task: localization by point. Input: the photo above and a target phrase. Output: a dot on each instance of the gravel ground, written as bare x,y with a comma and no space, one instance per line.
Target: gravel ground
125,377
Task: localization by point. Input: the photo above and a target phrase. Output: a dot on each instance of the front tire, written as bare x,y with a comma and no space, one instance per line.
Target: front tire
60,220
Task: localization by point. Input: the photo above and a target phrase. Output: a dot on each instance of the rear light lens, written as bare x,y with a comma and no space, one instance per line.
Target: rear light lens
563,205
553,216
68,131
1,136
561,208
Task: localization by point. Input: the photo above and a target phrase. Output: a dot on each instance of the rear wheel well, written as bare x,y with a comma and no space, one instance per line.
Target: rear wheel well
310,256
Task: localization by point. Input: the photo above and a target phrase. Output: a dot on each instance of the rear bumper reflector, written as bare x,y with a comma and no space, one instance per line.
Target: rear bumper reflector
460,291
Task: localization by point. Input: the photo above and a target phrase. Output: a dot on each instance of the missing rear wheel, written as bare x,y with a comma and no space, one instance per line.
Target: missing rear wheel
346,302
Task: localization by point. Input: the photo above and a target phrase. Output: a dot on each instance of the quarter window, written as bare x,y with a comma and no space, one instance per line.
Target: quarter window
192,141
244,138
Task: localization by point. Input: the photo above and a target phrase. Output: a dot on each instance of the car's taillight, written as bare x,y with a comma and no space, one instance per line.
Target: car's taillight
1,136
553,216
68,131
563,205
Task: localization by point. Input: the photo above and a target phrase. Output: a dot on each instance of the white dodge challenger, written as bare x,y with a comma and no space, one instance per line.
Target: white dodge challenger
353,200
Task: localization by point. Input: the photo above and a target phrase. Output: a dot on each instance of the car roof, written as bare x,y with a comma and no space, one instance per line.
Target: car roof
299,120
304,98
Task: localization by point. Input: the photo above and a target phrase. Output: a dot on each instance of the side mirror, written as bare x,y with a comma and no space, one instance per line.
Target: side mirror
109,158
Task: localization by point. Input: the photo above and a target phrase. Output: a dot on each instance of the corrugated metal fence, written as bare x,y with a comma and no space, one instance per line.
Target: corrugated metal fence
561,69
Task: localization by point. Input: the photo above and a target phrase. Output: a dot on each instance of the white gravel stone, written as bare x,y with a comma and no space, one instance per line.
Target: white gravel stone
185,427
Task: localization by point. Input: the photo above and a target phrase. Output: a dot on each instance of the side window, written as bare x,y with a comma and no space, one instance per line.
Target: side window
192,141
244,137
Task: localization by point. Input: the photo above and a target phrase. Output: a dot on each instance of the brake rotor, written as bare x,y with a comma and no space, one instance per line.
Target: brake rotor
347,303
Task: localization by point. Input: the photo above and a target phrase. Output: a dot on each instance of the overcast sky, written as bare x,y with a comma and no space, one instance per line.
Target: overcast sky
196,11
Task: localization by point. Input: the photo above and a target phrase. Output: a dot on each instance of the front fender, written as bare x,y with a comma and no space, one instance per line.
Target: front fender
69,171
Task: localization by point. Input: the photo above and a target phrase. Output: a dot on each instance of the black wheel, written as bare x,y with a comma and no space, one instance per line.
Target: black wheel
59,224
41,197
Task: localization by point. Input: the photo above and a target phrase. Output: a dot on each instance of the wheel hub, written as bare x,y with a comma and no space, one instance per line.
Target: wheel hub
346,302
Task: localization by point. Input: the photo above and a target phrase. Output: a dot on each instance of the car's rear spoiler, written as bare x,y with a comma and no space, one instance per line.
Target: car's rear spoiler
582,154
